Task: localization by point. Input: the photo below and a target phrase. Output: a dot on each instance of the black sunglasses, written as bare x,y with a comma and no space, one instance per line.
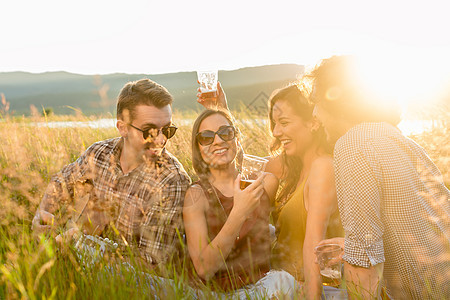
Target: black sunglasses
206,137
153,131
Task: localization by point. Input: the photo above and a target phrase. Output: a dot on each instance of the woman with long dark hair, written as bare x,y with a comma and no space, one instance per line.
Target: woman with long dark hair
304,211
227,229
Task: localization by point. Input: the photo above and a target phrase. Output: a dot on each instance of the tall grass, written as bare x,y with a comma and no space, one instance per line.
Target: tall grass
35,268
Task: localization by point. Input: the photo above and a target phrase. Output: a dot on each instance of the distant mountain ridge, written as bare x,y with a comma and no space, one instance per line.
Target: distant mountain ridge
95,94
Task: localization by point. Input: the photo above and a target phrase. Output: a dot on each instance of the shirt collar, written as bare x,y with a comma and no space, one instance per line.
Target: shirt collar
117,150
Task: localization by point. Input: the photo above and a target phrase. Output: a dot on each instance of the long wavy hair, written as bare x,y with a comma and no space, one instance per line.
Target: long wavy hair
200,166
292,166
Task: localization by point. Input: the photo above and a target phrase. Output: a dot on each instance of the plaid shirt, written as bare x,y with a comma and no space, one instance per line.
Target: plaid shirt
395,209
145,204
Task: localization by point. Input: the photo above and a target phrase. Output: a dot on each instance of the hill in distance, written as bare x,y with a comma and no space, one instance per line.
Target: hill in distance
96,94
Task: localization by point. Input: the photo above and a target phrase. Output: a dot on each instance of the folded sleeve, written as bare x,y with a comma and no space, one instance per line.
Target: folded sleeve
358,182
60,190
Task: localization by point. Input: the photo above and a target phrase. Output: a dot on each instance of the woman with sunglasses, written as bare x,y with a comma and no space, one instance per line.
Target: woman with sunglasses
227,229
305,209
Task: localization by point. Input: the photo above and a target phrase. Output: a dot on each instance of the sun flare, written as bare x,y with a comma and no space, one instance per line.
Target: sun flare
410,83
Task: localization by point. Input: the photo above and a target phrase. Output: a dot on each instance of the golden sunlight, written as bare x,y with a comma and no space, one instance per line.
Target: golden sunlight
415,85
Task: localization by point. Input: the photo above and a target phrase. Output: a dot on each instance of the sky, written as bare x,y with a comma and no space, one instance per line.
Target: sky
151,37
404,43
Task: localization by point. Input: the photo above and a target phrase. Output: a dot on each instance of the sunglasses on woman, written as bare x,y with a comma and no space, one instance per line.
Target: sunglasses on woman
153,131
206,137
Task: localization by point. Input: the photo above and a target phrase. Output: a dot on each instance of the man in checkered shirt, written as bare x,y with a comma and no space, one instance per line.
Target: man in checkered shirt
133,184
393,203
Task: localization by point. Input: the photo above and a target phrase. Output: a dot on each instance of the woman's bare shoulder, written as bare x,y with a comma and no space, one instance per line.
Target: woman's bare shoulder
194,196
321,172
270,180
275,165
323,163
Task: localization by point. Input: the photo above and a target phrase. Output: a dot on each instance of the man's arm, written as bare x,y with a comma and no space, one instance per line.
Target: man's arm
363,282
359,278
59,191
360,199
44,221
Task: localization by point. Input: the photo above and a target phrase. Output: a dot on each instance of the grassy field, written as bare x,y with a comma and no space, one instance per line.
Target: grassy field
29,155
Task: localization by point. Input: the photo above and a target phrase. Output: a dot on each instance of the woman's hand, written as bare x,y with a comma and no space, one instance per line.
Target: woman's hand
219,101
209,256
338,241
247,200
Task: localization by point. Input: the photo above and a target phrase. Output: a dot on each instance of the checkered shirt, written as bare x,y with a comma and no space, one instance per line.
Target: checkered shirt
395,209
146,203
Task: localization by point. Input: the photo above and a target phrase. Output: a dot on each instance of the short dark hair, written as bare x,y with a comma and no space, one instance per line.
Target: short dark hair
141,92
336,84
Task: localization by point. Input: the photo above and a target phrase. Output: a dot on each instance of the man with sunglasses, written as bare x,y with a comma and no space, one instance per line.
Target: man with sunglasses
134,186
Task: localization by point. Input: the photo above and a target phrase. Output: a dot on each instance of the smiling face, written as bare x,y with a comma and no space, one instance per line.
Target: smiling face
290,129
145,117
219,153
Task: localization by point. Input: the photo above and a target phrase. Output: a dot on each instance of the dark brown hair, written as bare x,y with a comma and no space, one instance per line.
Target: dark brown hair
141,92
200,166
296,99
